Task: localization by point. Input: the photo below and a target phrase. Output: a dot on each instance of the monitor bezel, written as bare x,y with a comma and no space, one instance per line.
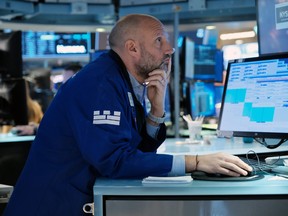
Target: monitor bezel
253,134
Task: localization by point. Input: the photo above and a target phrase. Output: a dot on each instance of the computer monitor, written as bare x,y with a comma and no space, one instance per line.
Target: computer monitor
272,22
55,45
208,63
187,50
200,62
255,101
10,55
13,103
201,99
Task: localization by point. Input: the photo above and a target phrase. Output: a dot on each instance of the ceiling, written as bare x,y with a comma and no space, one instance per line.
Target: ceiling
88,14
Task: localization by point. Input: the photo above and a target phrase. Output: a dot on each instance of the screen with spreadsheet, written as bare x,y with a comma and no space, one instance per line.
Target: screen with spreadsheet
255,97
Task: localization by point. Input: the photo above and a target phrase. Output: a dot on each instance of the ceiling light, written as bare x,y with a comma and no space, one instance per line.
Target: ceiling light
210,27
237,35
100,29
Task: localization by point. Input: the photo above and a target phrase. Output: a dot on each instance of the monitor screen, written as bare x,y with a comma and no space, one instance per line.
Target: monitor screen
10,55
272,19
209,63
187,47
200,62
255,98
201,99
55,45
13,105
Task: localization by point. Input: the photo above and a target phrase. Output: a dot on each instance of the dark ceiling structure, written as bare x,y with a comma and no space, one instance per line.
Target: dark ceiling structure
106,12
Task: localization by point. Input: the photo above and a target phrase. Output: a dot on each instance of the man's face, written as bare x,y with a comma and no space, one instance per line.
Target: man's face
155,50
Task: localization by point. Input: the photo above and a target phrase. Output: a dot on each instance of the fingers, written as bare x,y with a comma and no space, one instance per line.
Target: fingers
169,69
234,167
222,163
156,77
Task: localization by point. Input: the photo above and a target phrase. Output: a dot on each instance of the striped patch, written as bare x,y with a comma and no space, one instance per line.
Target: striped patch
106,117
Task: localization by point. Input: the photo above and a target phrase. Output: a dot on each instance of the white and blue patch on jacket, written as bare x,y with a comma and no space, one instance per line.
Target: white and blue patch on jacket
107,117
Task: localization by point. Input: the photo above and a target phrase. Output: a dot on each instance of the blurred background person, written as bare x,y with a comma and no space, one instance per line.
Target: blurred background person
35,112
35,115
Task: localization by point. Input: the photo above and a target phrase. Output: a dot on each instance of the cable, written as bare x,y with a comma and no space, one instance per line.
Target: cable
262,141
256,164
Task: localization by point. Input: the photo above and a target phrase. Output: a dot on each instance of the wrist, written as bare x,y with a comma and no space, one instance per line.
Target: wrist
35,129
155,119
191,163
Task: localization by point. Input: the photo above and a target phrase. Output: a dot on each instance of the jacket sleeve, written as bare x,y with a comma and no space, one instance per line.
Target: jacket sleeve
113,145
149,144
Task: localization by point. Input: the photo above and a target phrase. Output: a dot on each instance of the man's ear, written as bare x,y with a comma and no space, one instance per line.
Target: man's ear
131,47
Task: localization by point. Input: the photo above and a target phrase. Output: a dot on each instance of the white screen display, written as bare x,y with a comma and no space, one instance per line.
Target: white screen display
256,96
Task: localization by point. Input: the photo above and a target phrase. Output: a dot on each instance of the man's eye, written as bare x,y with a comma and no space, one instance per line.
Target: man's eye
158,39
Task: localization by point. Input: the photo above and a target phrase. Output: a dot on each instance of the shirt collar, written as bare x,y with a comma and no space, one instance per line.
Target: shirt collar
138,88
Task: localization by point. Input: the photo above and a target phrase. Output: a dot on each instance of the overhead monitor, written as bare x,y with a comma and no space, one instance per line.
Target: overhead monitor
272,20
47,45
255,102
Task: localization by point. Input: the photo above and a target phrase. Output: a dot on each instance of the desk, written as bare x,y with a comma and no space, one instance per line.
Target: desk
130,197
14,151
267,196
5,194
9,138
232,146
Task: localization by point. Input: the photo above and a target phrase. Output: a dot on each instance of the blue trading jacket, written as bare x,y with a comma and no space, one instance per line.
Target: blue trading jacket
91,129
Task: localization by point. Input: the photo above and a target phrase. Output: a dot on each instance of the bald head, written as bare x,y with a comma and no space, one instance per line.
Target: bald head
128,28
142,43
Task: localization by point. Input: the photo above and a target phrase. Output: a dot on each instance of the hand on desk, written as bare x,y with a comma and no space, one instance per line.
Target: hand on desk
22,130
220,163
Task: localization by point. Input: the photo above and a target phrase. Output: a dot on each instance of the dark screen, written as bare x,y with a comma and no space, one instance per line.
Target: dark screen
10,54
13,105
272,18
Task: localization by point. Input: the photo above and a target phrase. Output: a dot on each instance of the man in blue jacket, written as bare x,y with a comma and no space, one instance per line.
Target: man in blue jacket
96,126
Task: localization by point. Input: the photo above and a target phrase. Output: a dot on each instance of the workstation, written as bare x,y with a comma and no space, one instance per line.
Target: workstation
196,90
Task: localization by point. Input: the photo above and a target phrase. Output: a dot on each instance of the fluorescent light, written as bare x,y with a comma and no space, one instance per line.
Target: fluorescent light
210,27
100,29
237,35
